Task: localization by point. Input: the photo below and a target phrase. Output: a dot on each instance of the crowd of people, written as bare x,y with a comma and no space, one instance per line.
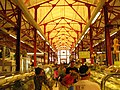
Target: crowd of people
68,77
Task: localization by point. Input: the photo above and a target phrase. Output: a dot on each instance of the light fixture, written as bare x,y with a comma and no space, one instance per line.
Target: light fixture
16,38
40,50
50,46
97,15
47,43
96,44
82,37
74,49
113,33
36,53
87,30
79,41
40,35
22,41
13,36
76,45
99,52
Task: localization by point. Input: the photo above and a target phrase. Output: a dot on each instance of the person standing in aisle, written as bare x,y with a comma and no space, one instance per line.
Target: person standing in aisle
40,78
56,75
61,71
85,83
68,80
62,74
71,69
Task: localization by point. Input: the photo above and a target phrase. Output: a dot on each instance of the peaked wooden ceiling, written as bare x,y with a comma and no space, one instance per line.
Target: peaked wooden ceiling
61,21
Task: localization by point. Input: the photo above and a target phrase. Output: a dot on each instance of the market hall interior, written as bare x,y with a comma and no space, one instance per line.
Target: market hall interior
43,33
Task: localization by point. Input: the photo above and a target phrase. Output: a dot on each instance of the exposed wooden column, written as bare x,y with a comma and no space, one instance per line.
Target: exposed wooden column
81,43
91,39
44,44
44,53
66,56
78,44
78,50
35,46
35,37
54,57
107,37
51,51
75,49
51,56
83,60
48,49
18,29
77,35
75,53
80,28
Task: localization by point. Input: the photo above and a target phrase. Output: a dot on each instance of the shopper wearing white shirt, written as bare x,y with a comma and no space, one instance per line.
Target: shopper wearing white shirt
84,83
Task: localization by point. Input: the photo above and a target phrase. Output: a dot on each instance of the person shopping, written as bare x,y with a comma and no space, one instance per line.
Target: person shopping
40,78
71,69
85,83
68,80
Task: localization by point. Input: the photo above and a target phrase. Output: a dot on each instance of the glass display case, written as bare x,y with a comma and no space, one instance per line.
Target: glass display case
21,81
111,81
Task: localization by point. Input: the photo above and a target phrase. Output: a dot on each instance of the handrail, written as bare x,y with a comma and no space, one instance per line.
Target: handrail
106,78
21,81
4,74
13,78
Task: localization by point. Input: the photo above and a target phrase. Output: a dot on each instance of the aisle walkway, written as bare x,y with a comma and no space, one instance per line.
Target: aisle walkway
56,88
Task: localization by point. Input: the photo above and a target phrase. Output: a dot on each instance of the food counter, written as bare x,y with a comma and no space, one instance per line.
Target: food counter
111,83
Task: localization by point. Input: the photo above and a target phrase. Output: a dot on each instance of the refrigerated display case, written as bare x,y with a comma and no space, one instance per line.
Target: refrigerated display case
114,80
21,81
111,83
